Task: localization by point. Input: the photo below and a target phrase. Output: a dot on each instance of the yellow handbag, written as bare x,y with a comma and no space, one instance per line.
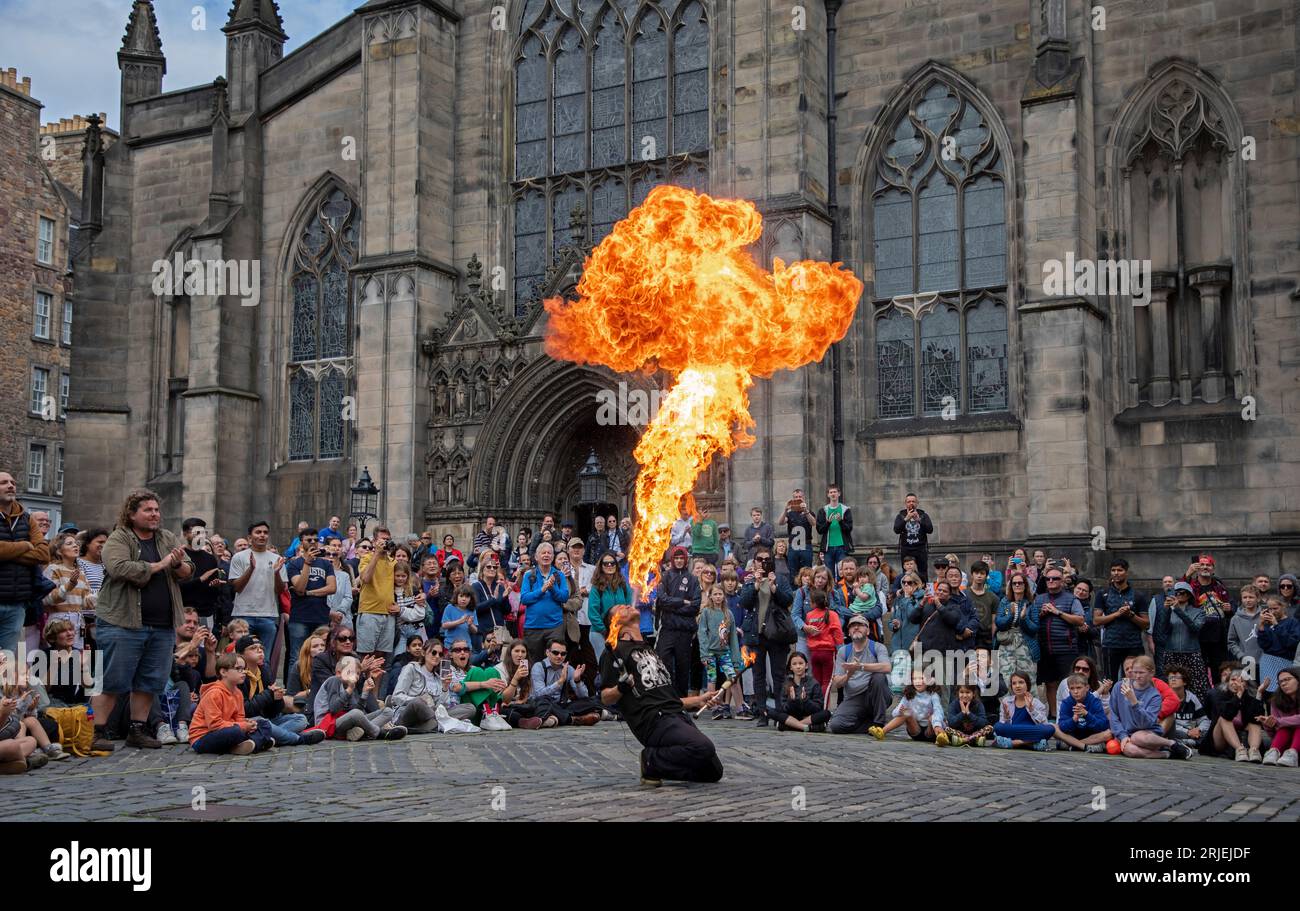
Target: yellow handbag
76,732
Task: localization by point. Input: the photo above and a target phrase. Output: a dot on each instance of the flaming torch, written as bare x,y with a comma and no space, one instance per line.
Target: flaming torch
747,655
673,287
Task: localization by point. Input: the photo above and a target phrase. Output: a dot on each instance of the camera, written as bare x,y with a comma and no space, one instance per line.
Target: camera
390,547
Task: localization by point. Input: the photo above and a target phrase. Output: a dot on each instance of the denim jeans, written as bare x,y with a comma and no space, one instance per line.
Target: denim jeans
11,626
135,660
286,728
223,740
264,628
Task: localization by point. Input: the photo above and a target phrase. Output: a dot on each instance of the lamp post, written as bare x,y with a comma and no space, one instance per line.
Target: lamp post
591,482
365,498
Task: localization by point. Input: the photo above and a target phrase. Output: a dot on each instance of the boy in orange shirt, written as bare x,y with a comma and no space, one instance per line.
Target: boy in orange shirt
219,725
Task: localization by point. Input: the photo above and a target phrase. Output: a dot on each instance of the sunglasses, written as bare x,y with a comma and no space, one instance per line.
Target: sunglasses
459,650
364,547
608,563
1285,585
1082,668
1055,578
559,654
344,639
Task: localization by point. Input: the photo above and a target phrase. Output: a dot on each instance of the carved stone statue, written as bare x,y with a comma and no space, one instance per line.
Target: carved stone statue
481,402
440,401
462,400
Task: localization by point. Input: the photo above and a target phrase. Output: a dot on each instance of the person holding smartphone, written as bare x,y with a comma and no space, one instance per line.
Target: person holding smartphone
914,526
1135,712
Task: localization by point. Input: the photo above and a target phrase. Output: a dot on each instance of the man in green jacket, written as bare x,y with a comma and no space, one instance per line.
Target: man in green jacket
137,613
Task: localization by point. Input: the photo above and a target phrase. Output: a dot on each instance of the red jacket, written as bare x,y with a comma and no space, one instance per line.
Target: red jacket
830,633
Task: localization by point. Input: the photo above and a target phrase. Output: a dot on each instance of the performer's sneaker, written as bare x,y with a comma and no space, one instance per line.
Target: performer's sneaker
646,780
876,731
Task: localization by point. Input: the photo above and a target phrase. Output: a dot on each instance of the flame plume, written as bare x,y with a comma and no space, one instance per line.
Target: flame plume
673,287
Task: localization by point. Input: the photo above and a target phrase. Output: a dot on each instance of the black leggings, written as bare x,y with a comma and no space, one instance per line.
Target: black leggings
802,708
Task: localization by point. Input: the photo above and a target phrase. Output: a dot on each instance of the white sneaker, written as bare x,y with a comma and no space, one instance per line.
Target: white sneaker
183,732
1290,759
355,734
1271,757
165,735
1254,755
494,722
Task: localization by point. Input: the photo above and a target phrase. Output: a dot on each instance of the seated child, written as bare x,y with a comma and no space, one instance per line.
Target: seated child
920,711
1239,709
1191,722
1081,722
1135,706
219,725
967,721
800,706
1283,720
1022,719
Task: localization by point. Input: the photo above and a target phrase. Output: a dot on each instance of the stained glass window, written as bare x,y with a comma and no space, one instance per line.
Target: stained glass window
611,99
940,365
320,342
938,219
895,345
986,356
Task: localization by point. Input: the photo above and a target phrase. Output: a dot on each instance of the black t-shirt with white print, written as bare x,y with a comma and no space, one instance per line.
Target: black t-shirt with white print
652,688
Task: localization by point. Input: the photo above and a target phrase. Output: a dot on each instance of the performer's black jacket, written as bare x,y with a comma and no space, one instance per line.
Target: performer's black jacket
651,692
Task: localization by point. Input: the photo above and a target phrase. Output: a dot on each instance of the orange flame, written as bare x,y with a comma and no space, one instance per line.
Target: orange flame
673,287
615,627
748,655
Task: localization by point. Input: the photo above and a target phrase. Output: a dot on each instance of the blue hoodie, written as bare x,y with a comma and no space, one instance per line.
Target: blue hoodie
1096,721
1126,719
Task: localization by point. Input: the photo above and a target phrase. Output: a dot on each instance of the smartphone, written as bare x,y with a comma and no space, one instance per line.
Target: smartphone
444,669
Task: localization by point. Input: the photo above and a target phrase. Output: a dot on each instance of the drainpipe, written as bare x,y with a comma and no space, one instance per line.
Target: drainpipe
833,208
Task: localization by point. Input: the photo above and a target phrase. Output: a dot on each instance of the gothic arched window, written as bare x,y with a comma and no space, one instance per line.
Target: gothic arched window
937,209
611,99
320,343
1179,204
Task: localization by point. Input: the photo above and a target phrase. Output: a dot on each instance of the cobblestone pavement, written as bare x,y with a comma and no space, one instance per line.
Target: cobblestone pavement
591,774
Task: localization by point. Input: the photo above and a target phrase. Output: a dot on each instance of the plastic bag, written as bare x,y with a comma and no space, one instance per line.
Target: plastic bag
449,725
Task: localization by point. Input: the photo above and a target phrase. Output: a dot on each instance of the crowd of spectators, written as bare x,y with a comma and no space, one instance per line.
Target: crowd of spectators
236,647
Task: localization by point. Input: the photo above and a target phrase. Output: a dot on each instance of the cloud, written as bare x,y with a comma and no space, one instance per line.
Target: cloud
69,47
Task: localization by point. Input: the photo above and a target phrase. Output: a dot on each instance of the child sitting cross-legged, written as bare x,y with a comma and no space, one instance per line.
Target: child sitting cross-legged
967,722
920,711
1081,722
219,725
1022,718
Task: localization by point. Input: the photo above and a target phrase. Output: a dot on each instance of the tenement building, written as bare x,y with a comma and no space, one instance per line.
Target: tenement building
35,303
1077,226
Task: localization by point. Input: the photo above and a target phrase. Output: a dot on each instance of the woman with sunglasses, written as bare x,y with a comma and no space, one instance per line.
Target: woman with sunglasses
473,693
911,593
418,691
608,591
492,595
1016,624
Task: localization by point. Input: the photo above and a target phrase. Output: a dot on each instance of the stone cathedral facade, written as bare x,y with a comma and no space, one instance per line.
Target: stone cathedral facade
415,180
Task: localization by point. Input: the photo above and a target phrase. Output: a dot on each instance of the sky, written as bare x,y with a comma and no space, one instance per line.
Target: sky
69,47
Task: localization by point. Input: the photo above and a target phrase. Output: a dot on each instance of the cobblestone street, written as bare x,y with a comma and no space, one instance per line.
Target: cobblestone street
591,774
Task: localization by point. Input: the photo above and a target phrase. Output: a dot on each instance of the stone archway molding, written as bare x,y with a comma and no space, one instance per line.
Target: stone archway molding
542,406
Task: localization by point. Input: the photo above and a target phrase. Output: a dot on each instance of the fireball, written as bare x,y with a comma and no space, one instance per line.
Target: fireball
673,287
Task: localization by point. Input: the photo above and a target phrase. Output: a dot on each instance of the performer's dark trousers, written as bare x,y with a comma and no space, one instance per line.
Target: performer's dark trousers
674,647
677,751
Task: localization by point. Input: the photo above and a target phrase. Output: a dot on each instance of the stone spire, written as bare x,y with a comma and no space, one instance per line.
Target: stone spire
141,58
254,41
255,12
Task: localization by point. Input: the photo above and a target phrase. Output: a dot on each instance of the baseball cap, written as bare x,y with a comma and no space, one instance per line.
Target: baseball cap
67,528
1184,587
858,618
246,642
576,542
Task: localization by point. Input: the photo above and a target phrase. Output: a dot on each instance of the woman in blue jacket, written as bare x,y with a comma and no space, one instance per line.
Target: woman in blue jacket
608,590
543,591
